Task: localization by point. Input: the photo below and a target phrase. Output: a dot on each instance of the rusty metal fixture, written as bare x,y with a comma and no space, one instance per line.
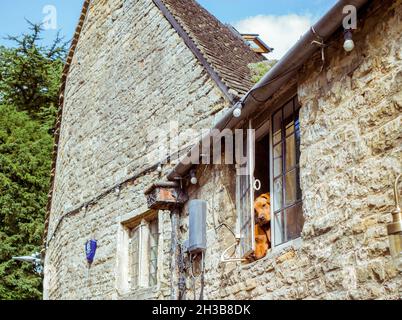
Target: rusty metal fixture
165,196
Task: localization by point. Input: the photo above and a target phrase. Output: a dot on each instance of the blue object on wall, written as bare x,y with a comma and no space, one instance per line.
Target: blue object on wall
90,250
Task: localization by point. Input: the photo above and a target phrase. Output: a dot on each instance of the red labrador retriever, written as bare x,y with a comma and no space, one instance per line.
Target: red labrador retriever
262,207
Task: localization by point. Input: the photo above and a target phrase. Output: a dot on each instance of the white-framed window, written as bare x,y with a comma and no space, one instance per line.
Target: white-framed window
143,253
138,251
273,168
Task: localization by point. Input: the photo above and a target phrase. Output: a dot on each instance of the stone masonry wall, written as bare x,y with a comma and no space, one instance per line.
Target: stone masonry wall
131,72
350,155
351,150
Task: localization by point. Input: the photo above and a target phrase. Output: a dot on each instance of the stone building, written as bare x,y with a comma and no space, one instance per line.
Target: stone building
326,139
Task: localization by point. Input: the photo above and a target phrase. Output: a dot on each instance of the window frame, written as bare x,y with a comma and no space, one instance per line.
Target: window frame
133,283
281,106
153,246
240,196
263,125
140,219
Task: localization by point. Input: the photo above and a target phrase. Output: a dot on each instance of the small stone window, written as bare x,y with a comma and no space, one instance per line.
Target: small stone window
138,251
143,254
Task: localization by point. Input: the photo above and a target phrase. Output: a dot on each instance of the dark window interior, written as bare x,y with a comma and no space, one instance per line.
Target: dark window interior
262,164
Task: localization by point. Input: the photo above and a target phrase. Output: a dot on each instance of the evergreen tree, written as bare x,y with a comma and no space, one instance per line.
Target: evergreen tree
30,74
29,82
25,149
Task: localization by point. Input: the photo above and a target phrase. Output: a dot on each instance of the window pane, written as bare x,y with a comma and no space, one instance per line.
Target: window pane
278,160
134,256
294,222
279,229
290,188
277,137
277,125
278,194
290,152
298,189
246,226
154,252
153,268
153,257
152,280
288,112
290,128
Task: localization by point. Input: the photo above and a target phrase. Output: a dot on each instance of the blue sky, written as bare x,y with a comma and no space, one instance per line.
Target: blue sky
280,22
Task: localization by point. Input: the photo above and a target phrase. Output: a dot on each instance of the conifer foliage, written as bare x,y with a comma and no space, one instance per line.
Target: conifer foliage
29,82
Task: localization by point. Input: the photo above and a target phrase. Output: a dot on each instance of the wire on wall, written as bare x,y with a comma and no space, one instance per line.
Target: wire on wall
200,276
95,200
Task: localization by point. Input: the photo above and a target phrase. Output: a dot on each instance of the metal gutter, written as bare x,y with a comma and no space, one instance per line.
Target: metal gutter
286,68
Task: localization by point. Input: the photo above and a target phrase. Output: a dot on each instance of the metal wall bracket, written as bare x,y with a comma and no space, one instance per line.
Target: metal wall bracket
225,259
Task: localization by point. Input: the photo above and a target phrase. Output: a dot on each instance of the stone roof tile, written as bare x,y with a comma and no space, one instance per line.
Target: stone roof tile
226,52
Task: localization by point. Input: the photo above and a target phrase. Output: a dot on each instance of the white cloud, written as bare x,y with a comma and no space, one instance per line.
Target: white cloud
279,32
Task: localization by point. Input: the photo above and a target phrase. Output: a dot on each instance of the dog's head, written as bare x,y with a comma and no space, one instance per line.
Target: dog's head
262,206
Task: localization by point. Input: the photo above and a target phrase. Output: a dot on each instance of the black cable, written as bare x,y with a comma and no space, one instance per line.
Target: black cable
202,277
97,199
104,194
182,278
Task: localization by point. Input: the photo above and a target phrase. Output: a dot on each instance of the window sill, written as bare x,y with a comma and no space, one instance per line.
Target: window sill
141,293
277,252
295,244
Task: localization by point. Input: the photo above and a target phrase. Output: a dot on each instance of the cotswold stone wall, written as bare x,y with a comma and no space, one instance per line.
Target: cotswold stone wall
350,154
131,72
119,84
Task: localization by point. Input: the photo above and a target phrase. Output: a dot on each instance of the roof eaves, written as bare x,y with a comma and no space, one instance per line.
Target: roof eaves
285,68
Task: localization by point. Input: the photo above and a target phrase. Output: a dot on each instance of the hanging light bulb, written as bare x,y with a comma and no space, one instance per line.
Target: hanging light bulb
193,178
349,44
395,230
237,112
